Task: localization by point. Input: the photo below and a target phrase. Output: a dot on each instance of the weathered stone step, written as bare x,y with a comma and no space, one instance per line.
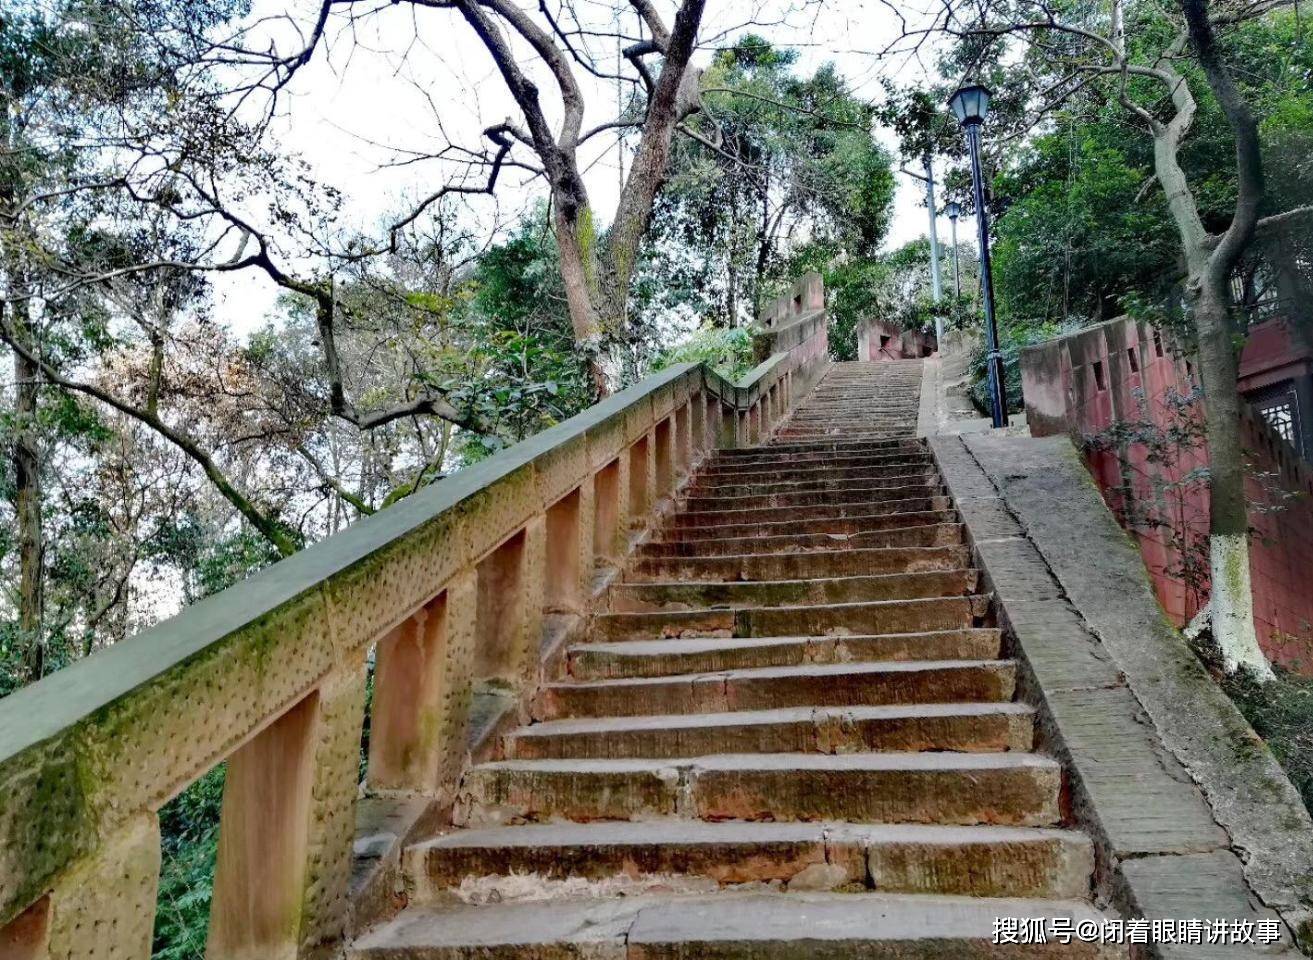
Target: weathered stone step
987,861
694,520
828,445
856,414
1013,789
885,616
893,488
802,466
769,484
906,728
691,595
928,535
660,658
801,565
818,431
873,683
726,926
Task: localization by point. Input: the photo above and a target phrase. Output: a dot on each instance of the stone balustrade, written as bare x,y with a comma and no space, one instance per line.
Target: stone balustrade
447,591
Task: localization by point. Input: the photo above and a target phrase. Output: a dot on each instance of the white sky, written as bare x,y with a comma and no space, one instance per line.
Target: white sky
405,76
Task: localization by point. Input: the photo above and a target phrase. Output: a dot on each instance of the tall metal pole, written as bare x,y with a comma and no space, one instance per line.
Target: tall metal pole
997,387
936,284
957,273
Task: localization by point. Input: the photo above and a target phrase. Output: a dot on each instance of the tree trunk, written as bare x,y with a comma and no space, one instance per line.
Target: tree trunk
26,457
1232,604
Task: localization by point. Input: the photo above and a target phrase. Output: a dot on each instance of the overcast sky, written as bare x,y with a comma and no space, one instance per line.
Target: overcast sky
408,80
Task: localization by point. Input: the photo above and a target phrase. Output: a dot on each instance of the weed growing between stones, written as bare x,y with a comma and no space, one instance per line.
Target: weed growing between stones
1280,711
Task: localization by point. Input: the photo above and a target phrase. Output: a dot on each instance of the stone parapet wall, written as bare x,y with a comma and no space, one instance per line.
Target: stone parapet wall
879,340
1121,382
447,590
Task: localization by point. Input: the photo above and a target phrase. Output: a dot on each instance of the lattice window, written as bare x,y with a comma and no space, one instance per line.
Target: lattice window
1279,407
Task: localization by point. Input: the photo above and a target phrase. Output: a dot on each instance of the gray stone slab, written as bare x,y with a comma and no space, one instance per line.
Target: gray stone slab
1059,652
1100,569
1205,886
1017,570
840,925
988,519
1142,800
969,482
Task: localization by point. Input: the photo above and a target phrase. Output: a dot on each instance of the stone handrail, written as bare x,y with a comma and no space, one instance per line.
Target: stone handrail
448,589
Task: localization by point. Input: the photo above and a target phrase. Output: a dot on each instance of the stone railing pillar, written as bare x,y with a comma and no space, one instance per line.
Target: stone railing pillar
698,432
286,827
641,480
663,459
510,601
610,511
683,440
103,910
569,560
411,715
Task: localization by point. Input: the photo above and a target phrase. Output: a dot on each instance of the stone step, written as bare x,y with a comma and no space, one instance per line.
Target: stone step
805,466
883,616
856,415
805,434
828,445
726,926
1011,789
906,728
988,861
799,566
692,595
894,488
660,658
694,520
873,683
927,535
768,484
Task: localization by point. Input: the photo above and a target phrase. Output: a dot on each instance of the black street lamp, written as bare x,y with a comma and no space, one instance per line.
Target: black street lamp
970,104
954,210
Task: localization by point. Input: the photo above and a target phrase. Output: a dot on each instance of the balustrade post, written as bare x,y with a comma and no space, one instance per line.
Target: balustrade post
509,624
610,509
697,409
663,459
683,441
416,712
104,909
569,563
286,828
641,481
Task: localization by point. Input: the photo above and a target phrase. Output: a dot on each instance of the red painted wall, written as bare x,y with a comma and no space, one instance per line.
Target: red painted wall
1123,373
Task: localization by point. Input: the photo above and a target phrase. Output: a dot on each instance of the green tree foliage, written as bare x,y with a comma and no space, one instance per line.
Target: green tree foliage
776,161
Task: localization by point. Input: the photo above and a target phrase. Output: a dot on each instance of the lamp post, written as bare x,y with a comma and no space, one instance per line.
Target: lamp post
954,210
970,104
935,285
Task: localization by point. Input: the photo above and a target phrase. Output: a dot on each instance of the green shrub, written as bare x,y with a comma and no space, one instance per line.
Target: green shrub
727,350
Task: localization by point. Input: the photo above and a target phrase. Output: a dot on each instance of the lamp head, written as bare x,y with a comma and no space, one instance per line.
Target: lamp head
970,104
953,209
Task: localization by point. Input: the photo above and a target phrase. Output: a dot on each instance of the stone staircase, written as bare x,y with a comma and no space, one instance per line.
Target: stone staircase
790,732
